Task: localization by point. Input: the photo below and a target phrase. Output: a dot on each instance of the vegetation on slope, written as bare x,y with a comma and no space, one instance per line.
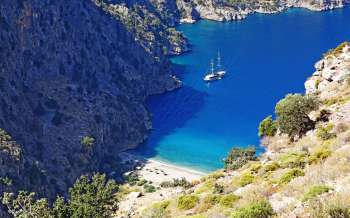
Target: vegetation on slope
91,196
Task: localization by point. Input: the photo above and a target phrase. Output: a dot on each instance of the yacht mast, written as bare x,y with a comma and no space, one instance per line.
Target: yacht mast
212,66
219,61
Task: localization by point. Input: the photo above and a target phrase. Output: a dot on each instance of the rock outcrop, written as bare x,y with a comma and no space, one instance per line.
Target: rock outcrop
225,10
331,71
68,72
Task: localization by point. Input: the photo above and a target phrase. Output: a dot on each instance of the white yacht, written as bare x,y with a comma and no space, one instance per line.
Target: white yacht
217,73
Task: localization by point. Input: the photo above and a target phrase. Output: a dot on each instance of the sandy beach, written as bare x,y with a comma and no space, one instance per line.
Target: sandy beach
157,171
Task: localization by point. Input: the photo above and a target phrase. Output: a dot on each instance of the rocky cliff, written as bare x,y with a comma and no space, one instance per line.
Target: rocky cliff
226,10
73,83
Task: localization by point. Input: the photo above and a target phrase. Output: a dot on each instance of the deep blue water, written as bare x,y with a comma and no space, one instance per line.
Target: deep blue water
266,56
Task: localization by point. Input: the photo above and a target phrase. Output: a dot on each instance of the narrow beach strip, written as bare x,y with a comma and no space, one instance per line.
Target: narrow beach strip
158,171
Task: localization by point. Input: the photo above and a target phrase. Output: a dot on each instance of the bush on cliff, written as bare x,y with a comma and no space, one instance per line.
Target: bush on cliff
314,191
91,196
292,114
187,202
267,127
238,157
261,209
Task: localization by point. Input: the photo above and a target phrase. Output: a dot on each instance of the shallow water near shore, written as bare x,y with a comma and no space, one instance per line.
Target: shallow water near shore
266,57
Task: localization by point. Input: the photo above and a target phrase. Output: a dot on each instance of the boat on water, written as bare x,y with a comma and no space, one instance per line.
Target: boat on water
216,73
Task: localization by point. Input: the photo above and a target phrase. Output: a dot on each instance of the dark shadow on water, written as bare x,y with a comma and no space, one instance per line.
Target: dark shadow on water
170,111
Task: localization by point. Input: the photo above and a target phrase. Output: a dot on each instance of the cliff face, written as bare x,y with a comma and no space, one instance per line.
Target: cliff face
226,10
152,23
69,71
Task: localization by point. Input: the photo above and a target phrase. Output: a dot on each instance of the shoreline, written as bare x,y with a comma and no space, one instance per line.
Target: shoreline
159,171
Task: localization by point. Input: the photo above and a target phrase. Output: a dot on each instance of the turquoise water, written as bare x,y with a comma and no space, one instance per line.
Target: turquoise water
266,56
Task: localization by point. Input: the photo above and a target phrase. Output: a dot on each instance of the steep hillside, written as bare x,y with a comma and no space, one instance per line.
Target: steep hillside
223,10
73,83
152,21
305,171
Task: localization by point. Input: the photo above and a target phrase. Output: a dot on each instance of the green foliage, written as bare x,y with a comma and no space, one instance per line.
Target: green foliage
60,208
246,179
25,205
149,188
324,133
141,182
291,174
228,200
158,210
320,155
4,137
218,189
261,209
293,159
292,114
215,175
187,202
176,183
267,127
93,197
271,167
314,191
206,186
238,157
88,141
254,168
208,202
6,181
336,211
132,178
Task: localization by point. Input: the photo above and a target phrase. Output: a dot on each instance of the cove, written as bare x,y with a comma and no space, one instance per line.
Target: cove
266,57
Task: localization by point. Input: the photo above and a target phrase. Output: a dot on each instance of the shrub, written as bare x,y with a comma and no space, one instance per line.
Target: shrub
293,159
207,186
238,157
187,202
95,193
261,209
149,188
267,127
132,178
271,167
158,210
88,141
4,137
323,116
215,175
292,114
208,202
6,181
141,182
91,196
291,174
320,154
176,183
254,168
324,133
228,200
218,189
314,191
25,205
246,179
336,211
